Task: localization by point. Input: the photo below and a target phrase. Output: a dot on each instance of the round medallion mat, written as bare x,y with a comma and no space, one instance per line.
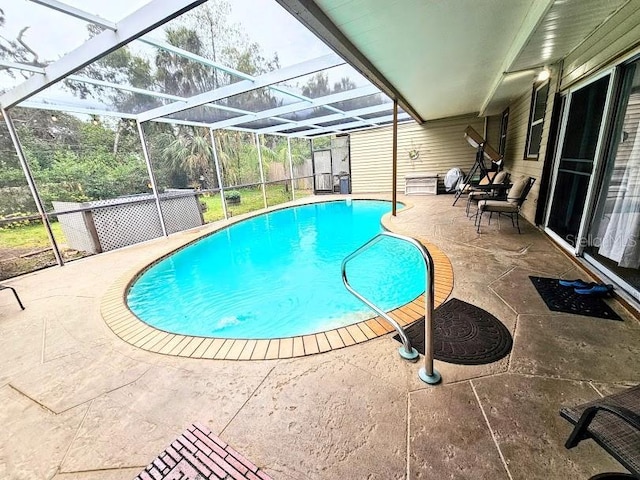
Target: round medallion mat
463,334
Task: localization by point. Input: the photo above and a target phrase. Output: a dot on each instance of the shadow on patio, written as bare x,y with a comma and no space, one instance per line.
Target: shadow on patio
99,408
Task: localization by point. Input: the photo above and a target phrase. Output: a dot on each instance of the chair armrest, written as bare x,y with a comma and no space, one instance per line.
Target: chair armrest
580,430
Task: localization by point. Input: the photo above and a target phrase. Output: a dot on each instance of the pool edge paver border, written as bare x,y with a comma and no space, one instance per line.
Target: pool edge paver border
129,328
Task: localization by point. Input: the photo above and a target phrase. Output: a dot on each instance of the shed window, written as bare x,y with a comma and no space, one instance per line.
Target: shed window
536,120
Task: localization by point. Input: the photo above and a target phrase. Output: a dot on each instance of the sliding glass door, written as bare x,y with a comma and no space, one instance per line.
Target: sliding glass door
613,240
581,139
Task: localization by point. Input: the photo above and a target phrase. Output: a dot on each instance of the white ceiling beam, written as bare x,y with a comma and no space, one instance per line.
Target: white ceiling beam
117,86
244,86
358,123
143,20
298,106
535,15
21,66
331,118
362,129
72,109
205,61
77,13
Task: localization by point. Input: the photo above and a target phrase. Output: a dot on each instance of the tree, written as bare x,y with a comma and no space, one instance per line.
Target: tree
17,49
191,151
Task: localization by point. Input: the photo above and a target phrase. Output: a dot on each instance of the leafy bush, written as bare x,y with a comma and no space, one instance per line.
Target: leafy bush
16,201
233,195
18,222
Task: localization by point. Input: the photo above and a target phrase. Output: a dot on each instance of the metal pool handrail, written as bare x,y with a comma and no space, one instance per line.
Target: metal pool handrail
427,374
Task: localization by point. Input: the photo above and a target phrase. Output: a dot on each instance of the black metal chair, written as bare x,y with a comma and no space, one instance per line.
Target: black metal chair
4,287
613,422
511,206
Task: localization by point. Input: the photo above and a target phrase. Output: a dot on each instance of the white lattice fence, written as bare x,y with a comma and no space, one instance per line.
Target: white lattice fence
126,220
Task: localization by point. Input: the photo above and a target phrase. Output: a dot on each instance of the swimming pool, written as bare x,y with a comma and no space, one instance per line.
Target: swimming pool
278,275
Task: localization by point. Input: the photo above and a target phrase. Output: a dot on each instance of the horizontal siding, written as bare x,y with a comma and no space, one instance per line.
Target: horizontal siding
514,156
618,35
441,144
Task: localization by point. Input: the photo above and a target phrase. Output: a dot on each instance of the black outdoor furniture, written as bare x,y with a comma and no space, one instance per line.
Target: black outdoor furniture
614,423
511,206
4,287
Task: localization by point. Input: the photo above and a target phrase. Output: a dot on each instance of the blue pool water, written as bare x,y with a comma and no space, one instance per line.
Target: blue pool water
278,275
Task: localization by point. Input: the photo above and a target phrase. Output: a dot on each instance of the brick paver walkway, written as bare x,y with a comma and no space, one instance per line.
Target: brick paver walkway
198,454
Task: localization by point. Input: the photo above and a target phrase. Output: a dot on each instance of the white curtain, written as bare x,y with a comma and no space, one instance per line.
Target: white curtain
620,230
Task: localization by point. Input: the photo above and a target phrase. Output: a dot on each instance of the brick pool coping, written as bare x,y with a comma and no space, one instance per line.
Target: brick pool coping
134,331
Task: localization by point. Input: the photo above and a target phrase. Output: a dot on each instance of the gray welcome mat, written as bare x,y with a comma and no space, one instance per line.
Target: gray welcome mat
565,299
463,334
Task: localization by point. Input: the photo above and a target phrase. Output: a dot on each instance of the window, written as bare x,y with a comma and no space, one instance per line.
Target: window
536,120
504,122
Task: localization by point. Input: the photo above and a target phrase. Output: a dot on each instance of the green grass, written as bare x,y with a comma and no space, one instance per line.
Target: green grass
250,200
34,236
31,236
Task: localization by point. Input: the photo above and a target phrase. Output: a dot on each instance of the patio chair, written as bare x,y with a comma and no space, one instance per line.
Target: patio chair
613,422
511,206
494,190
4,287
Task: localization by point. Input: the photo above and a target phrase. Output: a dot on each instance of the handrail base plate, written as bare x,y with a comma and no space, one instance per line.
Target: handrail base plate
430,379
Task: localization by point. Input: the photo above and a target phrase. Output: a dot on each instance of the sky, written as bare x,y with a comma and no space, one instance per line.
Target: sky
52,34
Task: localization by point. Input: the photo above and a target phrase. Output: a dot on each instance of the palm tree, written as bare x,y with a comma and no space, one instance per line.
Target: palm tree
191,151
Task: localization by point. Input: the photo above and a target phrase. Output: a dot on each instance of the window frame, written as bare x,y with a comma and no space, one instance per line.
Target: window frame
535,122
504,125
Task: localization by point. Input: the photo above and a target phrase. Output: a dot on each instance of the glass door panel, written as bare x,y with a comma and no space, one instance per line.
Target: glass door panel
579,147
614,235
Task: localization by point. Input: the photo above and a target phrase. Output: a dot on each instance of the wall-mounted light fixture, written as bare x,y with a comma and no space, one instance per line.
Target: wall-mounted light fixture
543,75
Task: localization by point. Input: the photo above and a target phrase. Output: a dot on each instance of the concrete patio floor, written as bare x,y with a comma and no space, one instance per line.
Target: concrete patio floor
79,403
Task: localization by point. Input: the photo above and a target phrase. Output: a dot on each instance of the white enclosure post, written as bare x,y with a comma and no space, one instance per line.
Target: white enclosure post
32,185
293,190
218,174
264,190
152,177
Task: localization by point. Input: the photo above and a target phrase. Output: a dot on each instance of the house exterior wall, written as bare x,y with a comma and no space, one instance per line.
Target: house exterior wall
441,144
517,129
619,35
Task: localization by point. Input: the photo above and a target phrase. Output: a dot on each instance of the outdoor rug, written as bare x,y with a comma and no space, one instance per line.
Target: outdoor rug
199,454
564,299
463,334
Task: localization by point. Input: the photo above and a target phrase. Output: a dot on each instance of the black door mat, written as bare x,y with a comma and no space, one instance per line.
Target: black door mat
463,334
564,299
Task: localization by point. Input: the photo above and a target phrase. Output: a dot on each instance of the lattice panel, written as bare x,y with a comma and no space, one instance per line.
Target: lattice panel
180,213
123,225
130,220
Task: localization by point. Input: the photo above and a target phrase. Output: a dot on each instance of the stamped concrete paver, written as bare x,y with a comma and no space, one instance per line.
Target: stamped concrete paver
34,439
131,425
448,433
338,414
577,347
323,419
74,379
523,413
